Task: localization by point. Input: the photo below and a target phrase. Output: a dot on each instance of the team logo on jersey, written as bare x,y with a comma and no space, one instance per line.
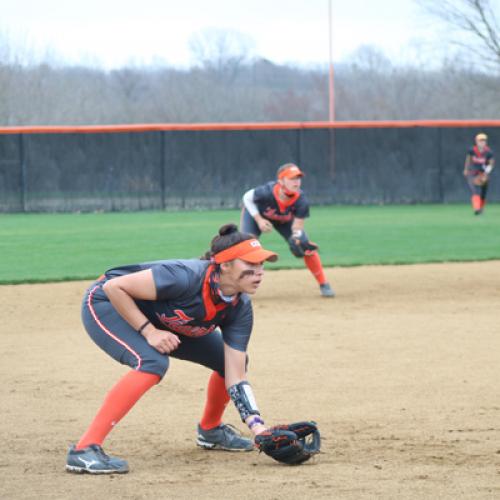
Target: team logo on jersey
179,324
271,214
181,319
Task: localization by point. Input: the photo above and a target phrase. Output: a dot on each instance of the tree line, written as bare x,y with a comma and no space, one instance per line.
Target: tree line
367,88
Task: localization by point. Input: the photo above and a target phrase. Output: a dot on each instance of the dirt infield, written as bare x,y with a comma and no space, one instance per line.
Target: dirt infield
401,371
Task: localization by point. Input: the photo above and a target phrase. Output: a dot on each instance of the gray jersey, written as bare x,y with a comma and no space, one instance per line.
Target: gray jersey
271,208
184,303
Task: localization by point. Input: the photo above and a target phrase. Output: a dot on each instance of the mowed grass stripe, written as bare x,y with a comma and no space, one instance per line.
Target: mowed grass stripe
57,247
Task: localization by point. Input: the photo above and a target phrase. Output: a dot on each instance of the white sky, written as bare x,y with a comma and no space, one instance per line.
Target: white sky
113,33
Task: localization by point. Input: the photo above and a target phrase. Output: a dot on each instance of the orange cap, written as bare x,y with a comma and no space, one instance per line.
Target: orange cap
248,250
290,172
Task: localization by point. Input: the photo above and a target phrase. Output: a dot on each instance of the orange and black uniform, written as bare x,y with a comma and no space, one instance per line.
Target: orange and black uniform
266,201
184,306
279,213
478,161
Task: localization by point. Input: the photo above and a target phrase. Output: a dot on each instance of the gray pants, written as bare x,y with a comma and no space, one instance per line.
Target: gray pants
479,190
120,341
248,225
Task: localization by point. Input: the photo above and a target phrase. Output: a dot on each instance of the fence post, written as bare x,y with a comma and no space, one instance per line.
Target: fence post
22,162
162,168
299,146
331,153
440,166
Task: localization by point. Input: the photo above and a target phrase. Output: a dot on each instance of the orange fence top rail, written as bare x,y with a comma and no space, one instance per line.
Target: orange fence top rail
156,127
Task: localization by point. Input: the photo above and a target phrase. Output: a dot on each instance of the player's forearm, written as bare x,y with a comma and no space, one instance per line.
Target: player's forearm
250,204
467,163
240,390
243,398
234,366
124,304
258,218
298,225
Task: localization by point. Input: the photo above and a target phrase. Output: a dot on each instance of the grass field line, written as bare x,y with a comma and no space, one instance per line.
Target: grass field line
37,248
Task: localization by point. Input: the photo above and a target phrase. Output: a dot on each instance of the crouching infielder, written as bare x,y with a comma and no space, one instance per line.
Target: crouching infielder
282,205
196,310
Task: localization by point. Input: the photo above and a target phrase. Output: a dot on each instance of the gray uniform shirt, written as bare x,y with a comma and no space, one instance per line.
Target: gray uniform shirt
184,305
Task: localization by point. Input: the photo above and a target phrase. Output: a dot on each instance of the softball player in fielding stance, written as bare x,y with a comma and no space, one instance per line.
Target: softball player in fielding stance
196,310
281,205
479,163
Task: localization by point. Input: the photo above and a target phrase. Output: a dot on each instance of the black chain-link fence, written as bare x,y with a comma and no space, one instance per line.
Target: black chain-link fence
210,168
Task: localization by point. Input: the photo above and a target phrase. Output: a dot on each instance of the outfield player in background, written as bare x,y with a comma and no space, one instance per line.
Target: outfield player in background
281,205
196,310
479,163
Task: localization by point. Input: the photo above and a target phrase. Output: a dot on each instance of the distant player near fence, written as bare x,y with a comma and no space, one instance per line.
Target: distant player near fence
479,162
281,204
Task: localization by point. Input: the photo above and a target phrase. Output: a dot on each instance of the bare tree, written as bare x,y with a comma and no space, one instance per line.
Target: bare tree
370,58
474,18
221,52
227,85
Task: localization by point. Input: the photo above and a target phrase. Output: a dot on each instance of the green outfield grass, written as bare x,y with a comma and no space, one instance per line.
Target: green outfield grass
56,247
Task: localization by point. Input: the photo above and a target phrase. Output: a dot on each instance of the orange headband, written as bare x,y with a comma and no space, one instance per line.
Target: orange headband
291,171
248,250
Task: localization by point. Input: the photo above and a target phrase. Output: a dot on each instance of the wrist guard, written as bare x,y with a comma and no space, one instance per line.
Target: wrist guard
244,400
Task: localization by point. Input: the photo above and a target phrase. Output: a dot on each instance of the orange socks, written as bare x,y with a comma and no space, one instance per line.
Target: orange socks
476,202
217,400
117,404
129,389
313,263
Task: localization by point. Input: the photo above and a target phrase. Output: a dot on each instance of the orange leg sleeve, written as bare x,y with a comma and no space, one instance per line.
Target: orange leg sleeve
476,202
313,263
217,400
127,391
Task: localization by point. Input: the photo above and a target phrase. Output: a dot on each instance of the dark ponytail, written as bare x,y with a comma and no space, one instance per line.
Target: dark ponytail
228,236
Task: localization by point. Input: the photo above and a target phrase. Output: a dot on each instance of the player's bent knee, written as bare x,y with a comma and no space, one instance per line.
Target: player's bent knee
159,365
297,254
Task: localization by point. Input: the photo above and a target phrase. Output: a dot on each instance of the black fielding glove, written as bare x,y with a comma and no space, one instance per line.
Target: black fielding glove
290,444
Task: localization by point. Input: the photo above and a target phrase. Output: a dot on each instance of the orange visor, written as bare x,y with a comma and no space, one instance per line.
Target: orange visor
290,172
248,250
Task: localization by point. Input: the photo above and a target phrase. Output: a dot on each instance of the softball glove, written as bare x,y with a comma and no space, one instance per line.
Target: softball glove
290,444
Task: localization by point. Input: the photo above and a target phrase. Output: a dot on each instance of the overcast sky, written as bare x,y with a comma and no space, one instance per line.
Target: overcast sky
114,33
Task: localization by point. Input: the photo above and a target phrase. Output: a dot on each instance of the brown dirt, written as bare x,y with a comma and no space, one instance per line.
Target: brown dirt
401,371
